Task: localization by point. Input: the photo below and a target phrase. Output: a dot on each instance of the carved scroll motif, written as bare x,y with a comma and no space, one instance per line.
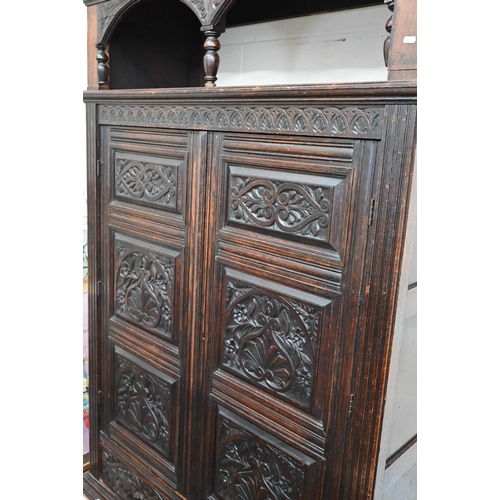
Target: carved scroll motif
144,282
249,468
142,404
281,206
151,183
126,484
271,340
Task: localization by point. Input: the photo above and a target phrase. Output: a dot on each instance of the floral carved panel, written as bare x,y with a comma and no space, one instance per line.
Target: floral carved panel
271,339
125,483
250,468
146,180
142,404
293,205
144,285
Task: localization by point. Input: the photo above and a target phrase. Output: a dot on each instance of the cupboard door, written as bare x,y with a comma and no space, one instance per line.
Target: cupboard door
147,249
287,232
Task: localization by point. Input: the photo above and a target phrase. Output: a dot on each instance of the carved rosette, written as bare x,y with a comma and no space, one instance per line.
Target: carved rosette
144,284
281,206
142,403
150,183
271,340
324,121
249,468
125,483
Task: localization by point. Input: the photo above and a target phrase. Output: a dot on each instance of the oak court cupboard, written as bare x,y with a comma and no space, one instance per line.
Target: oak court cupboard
250,263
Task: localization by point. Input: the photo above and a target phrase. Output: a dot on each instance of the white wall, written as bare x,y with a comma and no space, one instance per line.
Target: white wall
345,46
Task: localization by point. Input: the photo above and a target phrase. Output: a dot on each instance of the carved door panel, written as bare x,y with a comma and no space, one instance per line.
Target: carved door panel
289,219
147,246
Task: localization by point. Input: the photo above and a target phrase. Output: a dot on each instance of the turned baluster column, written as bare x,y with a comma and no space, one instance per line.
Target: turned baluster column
388,28
102,66
211,58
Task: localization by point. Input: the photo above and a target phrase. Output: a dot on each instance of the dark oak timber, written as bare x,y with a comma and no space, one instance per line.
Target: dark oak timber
211,58
245,249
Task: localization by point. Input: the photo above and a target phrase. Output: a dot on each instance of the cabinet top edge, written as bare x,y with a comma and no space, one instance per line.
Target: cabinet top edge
371,91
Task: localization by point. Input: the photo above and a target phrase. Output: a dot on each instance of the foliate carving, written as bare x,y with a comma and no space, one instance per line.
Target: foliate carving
142,404
106,13
150,183
324,121
144,283
205,9
281,206
126,484
271,340
249,468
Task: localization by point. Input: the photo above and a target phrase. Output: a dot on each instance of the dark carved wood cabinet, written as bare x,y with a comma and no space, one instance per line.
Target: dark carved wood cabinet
245,260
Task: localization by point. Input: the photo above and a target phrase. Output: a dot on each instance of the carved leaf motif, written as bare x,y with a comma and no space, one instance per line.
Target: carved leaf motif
322,121
142,400
288,207
124,482
205,9
144,288
106,12
271,340
250,469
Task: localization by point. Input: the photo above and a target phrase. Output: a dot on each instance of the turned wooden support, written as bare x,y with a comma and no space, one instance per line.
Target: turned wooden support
211,58
102,66
388,28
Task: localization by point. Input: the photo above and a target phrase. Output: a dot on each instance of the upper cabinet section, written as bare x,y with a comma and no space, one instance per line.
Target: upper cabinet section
141,44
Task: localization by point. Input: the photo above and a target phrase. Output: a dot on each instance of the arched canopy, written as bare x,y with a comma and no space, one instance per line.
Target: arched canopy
209,13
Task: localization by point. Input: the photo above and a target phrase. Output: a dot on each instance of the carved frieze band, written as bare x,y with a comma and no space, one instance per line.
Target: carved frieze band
287,207
249,468
142,404
270,339
125,483
149,183
144,286
348,122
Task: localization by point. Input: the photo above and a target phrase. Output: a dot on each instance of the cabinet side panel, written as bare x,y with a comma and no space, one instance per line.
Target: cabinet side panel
384,256
400,426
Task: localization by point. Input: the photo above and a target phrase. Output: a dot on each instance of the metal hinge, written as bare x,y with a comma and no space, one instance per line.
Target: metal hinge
98,167
371,212
351,405
99,397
